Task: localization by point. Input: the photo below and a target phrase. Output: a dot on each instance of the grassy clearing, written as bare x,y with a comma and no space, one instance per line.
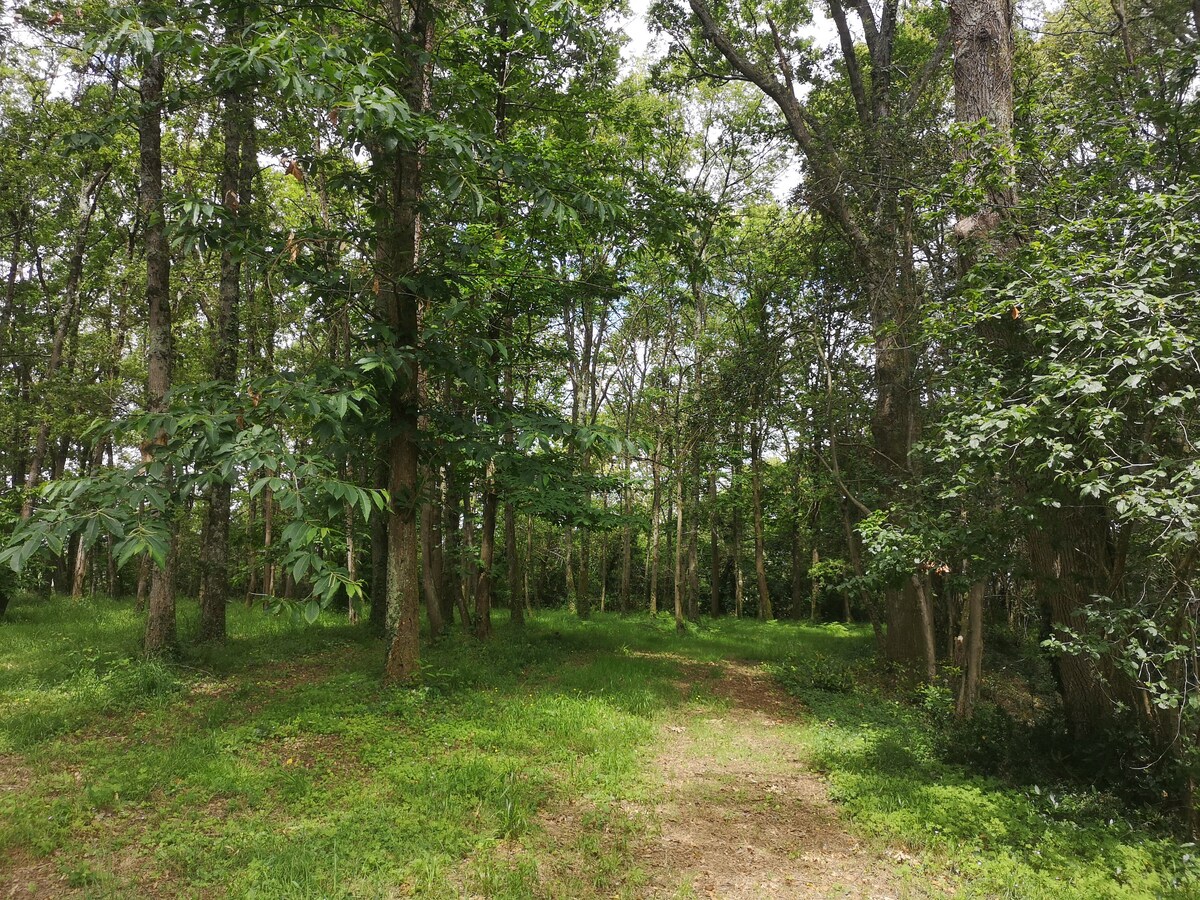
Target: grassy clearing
276,766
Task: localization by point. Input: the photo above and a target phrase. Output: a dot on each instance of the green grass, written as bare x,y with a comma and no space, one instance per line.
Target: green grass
277,766
999,840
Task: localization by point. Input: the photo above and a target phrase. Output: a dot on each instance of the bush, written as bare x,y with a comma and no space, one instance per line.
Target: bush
818,672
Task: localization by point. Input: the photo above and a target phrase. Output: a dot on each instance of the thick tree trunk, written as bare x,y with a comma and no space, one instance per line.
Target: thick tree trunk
237,171
398,247
160,621
982,37
893,423
1070,558
973,651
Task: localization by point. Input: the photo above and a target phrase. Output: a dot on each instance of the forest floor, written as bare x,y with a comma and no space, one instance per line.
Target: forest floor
607,758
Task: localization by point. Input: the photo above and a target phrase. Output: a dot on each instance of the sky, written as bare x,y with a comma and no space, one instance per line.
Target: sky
635,28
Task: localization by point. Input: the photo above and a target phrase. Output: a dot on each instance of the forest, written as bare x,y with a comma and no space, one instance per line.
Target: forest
549,448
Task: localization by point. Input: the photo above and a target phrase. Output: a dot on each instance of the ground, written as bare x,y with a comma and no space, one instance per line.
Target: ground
607,758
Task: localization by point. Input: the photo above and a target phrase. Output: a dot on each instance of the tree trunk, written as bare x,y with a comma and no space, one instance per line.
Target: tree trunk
736,540
982,37
714,547
398,247
626,541
268,506
237,171
569,582
470,560
760,558
451,561
431,565
1069,557
973,651
692,513
655,515
679,551
799,569
160,620
516,603
487,557
351,561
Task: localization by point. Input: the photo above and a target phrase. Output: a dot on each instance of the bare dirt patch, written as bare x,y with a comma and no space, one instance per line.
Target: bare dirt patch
24,875
740,817
14,774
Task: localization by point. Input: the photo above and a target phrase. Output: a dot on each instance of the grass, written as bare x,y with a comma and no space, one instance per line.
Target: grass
885,762
277,766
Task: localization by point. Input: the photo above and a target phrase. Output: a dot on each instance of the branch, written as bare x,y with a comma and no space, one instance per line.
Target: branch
868,21
785,64
931,67
852,67
823,162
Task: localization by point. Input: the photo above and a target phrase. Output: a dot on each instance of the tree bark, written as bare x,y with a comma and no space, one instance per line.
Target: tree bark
736,536
431,567
1069,556
973,659
760,557
487,557
516,604
714,547
626,539
160,621
237,171
679,552
398,245
655,515
982,36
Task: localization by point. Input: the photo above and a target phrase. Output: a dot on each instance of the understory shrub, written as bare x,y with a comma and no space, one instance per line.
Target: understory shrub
818,671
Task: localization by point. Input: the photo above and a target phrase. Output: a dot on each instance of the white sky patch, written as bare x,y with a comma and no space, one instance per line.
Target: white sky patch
642,46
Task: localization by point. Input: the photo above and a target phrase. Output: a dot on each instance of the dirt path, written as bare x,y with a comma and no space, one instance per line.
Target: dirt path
740,816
